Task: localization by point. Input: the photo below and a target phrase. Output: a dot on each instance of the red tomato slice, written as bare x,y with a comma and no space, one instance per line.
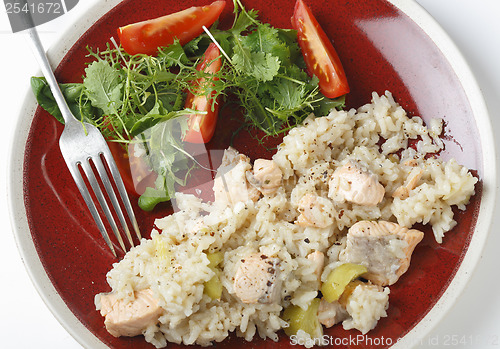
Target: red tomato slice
145,37
319,54
135,172
202,126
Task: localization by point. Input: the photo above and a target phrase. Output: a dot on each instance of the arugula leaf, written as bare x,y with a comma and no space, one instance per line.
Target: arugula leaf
103,85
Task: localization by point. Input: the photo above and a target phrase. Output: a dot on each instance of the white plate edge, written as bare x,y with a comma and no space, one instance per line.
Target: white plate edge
18,217
484,217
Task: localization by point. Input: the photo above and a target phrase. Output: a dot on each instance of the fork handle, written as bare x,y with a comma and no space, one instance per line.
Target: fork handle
43,61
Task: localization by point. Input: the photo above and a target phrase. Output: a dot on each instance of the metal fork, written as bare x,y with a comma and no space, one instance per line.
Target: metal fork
85,150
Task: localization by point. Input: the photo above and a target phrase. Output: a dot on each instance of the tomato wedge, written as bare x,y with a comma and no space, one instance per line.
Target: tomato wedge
134,170
202,126
319,54
145,37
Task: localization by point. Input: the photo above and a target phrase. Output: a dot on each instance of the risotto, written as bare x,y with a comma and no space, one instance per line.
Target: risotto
342,190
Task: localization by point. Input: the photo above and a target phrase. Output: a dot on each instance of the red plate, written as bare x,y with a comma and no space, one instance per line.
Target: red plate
381,49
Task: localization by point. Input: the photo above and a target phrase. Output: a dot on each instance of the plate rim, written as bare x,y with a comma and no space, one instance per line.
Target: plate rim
469,263
413,337
15,192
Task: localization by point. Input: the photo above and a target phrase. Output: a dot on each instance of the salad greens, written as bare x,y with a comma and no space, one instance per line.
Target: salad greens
267,73
126,95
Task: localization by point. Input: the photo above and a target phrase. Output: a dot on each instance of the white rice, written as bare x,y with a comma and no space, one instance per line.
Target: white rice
174,263
366,305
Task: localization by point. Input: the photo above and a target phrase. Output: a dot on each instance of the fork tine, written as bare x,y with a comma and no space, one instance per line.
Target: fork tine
77,145
121,189
102,201
112,196
90,204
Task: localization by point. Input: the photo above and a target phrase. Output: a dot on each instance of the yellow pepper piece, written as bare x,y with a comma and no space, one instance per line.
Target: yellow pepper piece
215,259
305,320
213,287
162,252
339,278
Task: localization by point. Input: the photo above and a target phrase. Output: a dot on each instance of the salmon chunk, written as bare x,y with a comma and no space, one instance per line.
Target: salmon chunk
385,248
354,184
266,176
230,184
315,211
256,279
403,192
130,318
318,259
232,157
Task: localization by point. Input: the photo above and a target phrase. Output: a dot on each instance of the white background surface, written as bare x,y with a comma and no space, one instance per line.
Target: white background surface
474,322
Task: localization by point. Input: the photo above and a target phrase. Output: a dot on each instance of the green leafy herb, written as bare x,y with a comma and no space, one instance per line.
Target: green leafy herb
163,146
266,73
73,93
104,87
141,98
